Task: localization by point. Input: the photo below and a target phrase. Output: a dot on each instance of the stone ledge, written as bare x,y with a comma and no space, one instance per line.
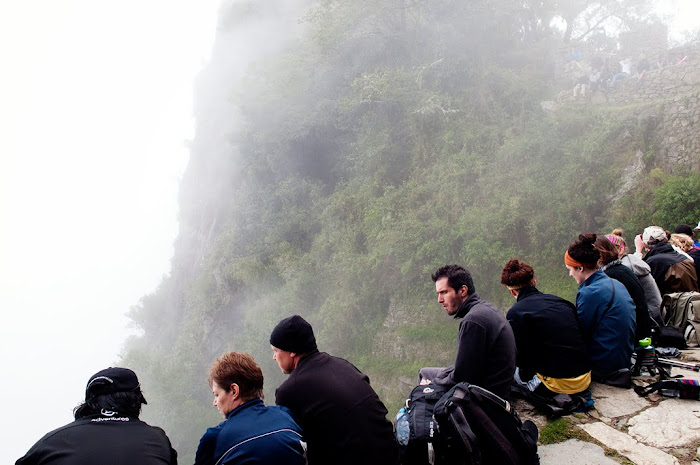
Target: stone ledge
639,453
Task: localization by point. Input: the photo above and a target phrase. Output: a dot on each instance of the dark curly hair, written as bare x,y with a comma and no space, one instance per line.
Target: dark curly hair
517,274
583,250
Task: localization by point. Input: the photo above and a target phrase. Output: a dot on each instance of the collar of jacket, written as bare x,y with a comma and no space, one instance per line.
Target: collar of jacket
467,305
526,292
307,356
659,249
617,261
597,276
245,405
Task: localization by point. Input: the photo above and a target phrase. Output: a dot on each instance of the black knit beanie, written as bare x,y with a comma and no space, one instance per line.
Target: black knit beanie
293,334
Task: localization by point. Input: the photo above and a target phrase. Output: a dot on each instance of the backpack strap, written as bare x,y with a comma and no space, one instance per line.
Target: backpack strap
469,439
484,421
646,390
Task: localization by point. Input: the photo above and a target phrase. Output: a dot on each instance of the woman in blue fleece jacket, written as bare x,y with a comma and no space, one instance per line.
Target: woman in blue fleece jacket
605,310
252,433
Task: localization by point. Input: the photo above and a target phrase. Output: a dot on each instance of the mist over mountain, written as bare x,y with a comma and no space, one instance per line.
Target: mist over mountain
346,149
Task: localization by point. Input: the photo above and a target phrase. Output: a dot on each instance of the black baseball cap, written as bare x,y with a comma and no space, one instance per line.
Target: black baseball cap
684,229
111,380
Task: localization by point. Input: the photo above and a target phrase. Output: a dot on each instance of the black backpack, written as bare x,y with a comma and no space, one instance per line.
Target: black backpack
478,427
424,435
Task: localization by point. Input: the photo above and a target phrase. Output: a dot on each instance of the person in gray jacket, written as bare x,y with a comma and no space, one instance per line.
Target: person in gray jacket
485,343
642,270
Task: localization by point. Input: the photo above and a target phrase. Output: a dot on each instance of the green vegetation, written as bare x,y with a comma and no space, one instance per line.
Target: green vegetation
353,158
560,430
563,428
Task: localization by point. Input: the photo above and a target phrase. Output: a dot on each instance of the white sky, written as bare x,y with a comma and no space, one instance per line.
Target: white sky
95,104
95,107
684,16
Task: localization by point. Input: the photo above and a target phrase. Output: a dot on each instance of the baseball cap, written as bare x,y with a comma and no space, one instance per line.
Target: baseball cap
684,229
111,380
654,234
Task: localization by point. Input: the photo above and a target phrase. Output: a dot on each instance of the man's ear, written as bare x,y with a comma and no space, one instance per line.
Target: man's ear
514,293
235,390
464,291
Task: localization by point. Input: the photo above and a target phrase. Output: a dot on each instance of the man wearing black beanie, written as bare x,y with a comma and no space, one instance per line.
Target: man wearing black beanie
343,419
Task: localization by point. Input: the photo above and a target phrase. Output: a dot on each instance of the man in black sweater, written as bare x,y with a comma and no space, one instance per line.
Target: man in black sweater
485,343
343,419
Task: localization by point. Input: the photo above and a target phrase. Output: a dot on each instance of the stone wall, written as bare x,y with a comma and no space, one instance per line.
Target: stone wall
672,98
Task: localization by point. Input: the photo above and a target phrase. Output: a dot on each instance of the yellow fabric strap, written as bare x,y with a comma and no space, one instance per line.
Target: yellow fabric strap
567,385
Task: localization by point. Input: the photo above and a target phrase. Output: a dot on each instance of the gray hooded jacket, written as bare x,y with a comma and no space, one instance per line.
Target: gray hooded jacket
651,290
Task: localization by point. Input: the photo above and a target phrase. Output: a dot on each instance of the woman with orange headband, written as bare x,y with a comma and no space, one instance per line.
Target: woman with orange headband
606,314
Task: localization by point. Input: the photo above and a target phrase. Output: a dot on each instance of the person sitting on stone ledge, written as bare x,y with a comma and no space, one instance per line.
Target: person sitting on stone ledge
606,314
612,266
551,353
643,272
672,271
626,69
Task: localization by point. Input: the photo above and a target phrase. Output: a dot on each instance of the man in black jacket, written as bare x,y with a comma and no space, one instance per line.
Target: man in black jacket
672,271
485,344
343,419
106,430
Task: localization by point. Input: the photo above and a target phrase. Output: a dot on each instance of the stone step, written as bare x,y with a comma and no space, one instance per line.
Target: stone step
639,453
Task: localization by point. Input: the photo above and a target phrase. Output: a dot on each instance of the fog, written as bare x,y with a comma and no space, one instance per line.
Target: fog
95,116
96,135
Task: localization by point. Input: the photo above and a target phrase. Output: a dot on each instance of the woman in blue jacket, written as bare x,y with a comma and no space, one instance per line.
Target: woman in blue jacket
252,433
606,313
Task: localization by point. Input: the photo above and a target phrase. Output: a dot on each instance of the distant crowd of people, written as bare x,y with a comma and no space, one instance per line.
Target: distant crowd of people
600,74
326,411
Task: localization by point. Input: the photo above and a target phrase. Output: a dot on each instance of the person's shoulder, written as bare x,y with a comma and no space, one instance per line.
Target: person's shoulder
525,305
58,432
621,273
636,264
619,286
282,414
594,284
295,386
483,313
323,360
555,300
154,429
481,305
599,278
213,432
